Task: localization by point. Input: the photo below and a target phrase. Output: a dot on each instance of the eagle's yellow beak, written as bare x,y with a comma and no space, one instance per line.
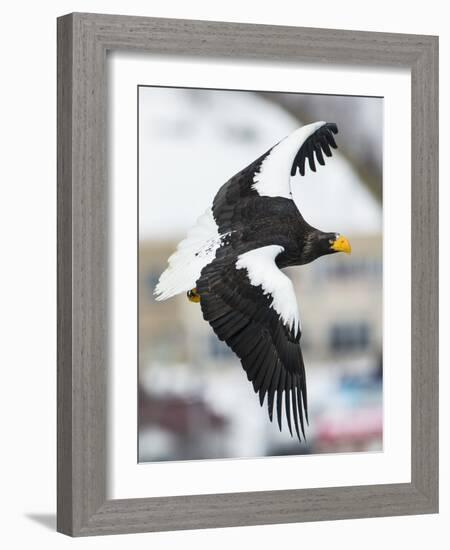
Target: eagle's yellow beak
342,244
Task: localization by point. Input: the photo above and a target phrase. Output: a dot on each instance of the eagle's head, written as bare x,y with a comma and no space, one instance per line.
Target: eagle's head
319,244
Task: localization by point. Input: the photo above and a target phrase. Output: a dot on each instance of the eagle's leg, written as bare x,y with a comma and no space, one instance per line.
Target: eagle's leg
193,296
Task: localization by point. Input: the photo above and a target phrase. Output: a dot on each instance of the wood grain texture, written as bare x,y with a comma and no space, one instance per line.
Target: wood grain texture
424,276
83,40
64,294
82,261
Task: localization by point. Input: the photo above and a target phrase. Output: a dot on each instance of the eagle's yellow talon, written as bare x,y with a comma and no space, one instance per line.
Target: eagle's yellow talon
193,296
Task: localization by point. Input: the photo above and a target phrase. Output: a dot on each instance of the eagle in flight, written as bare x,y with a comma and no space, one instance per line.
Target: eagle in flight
231,263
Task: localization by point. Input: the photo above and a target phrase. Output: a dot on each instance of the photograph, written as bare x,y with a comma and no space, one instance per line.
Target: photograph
221,292
260,274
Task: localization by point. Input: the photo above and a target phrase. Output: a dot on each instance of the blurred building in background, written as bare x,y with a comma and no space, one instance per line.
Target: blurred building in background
194,399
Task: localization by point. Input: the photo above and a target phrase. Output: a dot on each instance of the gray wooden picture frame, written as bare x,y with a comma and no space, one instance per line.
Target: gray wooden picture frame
83,41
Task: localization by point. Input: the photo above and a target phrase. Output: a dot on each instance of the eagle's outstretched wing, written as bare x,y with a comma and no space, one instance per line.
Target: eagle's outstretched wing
270,174
251,305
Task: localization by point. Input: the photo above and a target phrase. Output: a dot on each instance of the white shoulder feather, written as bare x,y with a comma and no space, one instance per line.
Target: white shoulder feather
274,176
263,271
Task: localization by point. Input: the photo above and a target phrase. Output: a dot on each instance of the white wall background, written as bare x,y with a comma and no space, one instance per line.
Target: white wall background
28,272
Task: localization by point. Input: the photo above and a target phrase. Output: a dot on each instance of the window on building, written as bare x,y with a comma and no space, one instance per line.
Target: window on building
363,268
347,337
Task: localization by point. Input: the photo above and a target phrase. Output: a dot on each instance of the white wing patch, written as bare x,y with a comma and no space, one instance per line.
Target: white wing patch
274,176
263,271
193,253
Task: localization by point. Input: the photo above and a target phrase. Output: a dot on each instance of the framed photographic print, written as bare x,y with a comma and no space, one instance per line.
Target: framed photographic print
247,274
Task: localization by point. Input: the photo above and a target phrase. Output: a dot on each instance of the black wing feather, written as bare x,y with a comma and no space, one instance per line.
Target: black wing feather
273,388
310,155
242,316
324,146
319,155
299,402
280,391
330,139
319,141
287,401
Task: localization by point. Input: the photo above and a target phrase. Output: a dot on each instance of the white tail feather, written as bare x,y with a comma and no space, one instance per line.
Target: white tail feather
193,253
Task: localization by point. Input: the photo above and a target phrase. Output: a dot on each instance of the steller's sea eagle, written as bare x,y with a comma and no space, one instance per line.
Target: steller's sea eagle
231,261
